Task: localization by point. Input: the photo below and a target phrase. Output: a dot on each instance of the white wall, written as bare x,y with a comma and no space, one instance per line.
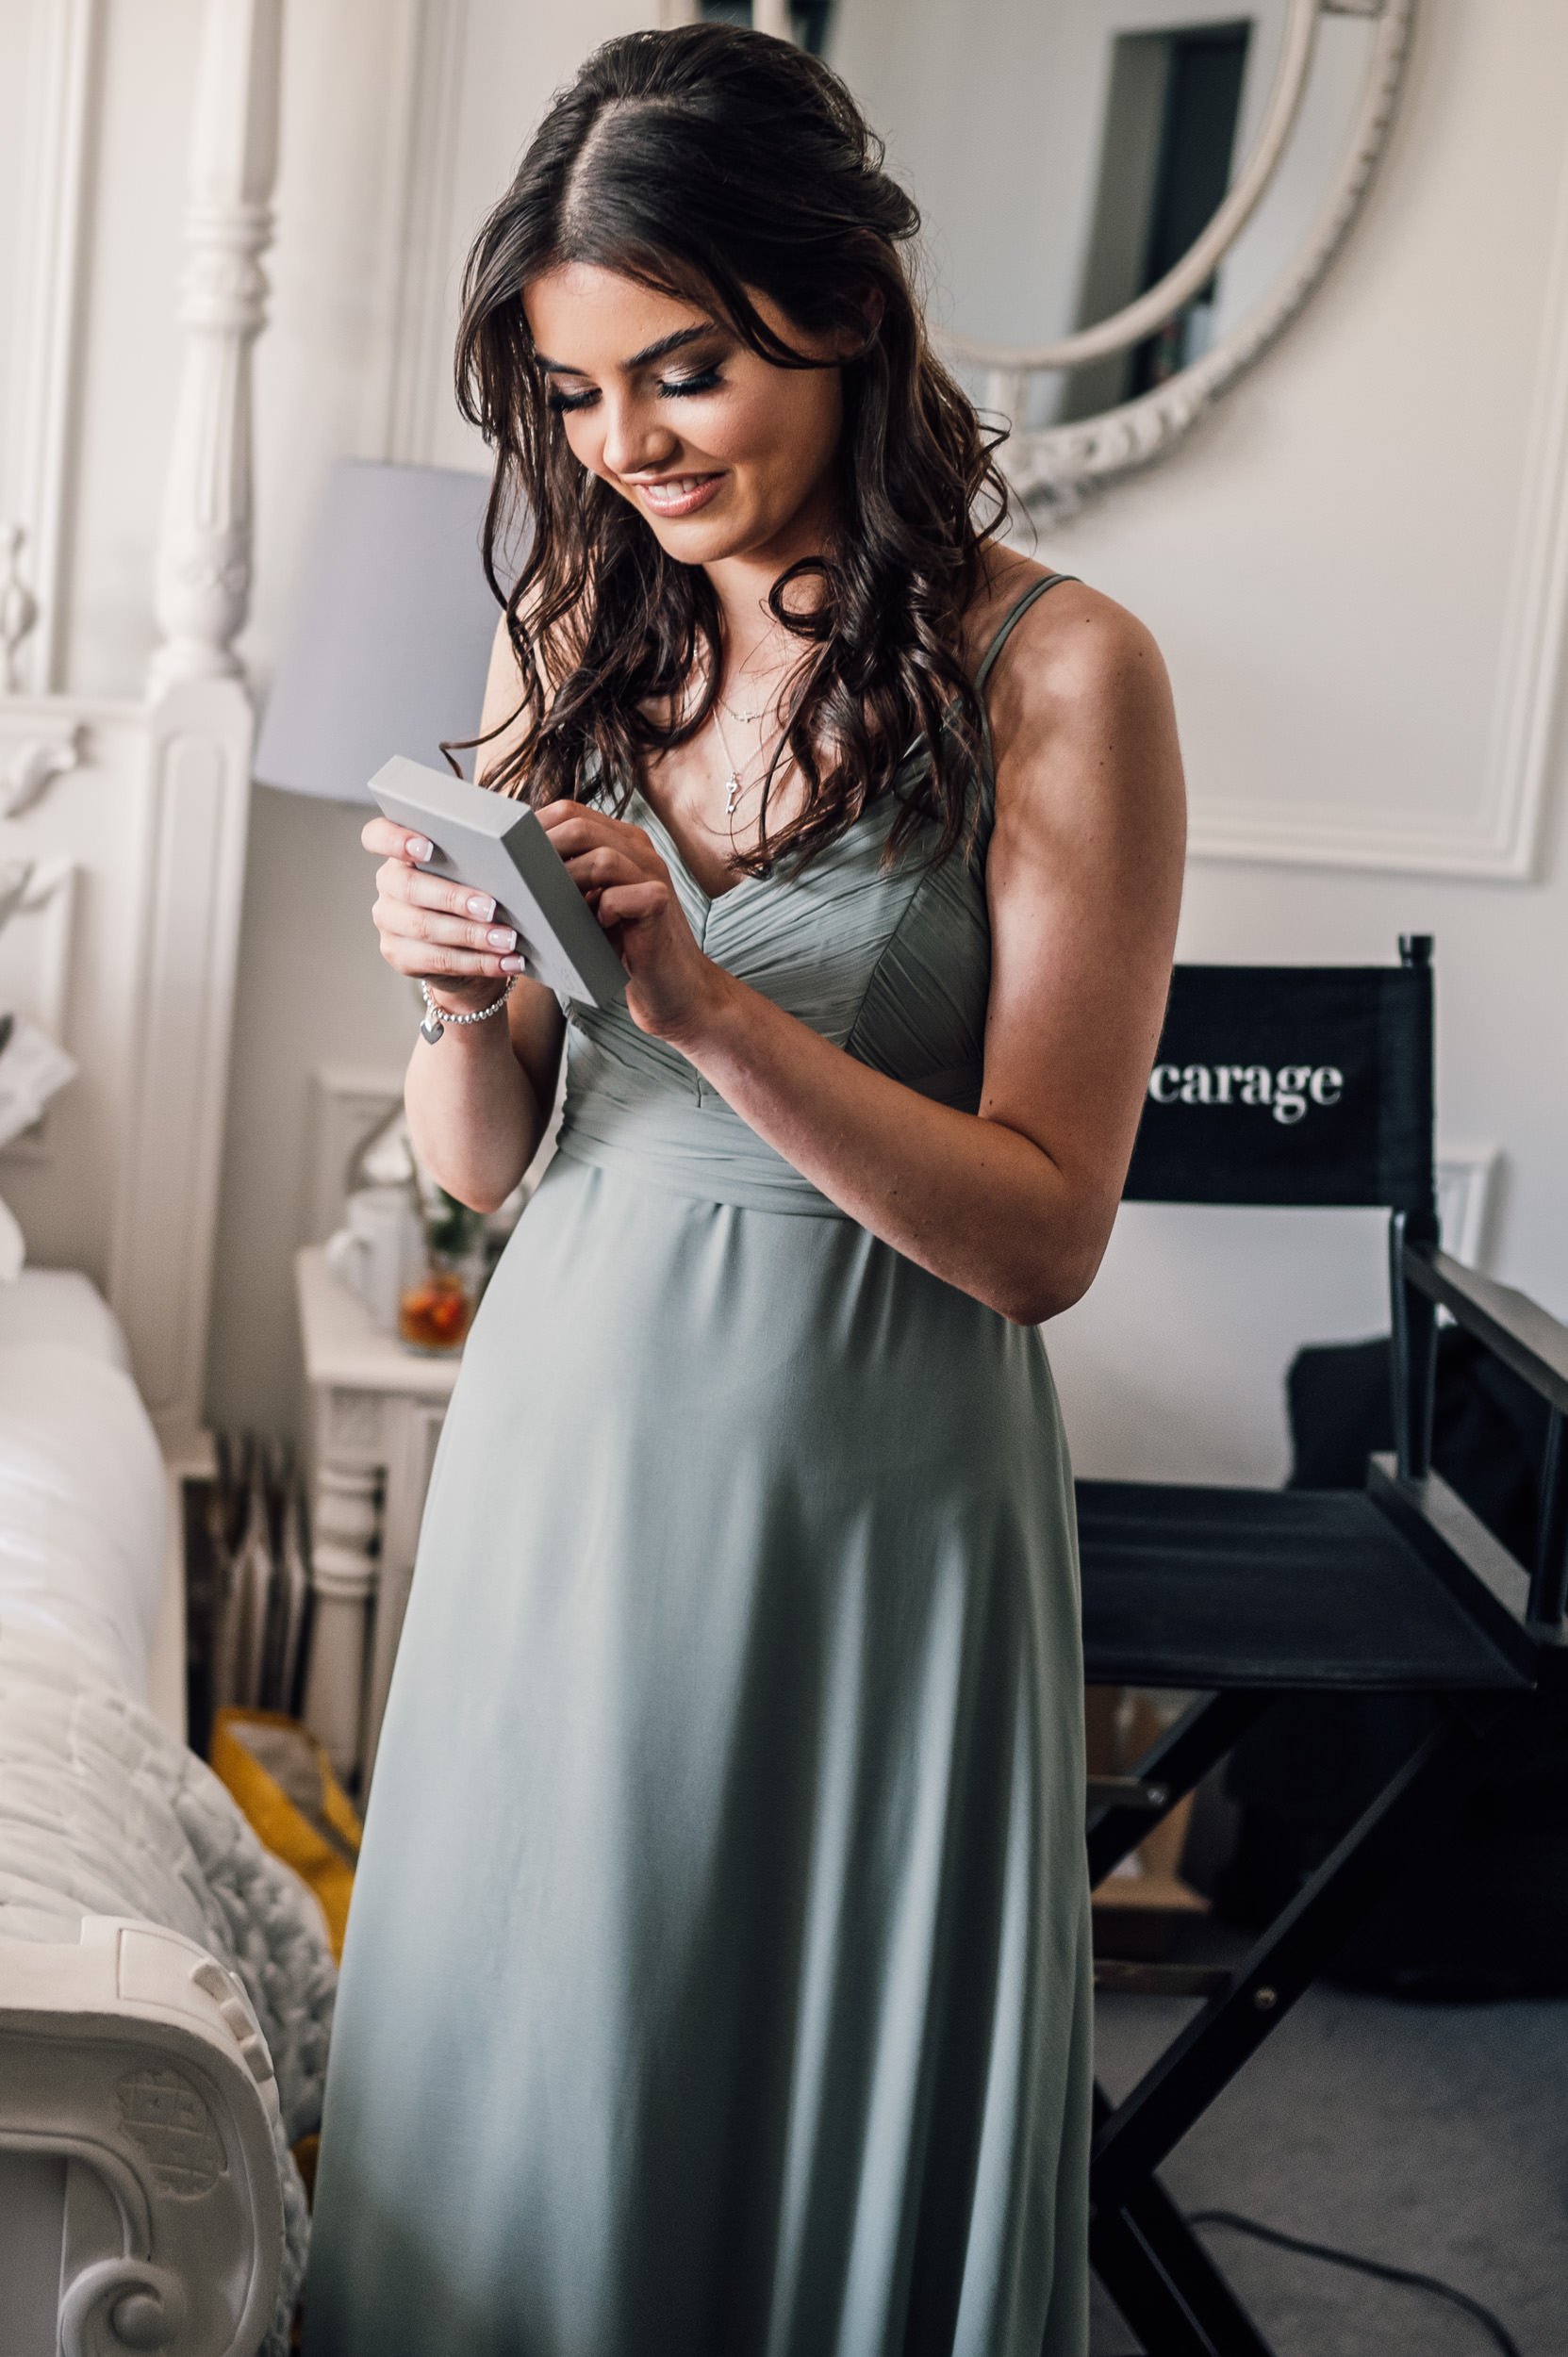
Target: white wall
1344,566
1348,566
1005,164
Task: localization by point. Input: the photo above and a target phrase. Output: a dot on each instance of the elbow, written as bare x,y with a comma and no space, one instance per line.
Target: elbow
473,1191
481,1199
1035,1305
1036,1294
477,1199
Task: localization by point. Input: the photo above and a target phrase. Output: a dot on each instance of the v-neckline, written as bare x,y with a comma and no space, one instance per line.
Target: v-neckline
709,899
715,899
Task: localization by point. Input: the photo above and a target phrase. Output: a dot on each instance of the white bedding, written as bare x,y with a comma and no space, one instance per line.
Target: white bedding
63,1306
83,1492
103,1812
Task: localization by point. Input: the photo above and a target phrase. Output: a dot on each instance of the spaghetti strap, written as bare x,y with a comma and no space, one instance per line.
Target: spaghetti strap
985,775
1013,614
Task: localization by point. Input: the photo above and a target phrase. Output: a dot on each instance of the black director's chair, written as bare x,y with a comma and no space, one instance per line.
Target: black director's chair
1300,1086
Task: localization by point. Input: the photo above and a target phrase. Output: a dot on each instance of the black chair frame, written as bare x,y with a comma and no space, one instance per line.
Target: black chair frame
1150,2260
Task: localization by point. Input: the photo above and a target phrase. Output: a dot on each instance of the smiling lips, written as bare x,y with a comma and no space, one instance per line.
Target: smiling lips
679,494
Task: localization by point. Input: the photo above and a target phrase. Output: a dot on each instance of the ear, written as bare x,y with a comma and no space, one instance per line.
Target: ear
853,344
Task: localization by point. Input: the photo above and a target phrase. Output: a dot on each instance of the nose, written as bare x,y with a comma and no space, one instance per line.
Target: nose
635,438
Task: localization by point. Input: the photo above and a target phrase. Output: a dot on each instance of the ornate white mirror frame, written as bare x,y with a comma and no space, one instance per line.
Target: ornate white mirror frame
1053,467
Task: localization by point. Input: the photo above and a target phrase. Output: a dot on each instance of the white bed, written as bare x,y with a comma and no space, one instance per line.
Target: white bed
65,1309
165,1986
84,1519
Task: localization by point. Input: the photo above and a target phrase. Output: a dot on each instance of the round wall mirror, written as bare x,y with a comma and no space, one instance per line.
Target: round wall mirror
1125,201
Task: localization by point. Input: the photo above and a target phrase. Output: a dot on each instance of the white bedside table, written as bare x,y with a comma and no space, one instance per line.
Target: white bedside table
376,1409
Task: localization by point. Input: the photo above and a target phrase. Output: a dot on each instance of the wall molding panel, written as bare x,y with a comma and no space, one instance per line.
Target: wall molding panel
1500,841
348,1105
1536,613
422,170
1466,1183
44,339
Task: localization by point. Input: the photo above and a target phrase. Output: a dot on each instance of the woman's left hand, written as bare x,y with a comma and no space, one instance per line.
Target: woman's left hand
670,985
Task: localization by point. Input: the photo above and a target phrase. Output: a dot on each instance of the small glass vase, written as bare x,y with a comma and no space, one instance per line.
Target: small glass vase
437,1306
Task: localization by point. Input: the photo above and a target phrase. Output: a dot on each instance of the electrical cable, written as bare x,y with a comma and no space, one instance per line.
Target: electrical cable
1483,2316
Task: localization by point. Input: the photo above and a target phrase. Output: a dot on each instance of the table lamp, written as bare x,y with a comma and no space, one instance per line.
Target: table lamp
391,631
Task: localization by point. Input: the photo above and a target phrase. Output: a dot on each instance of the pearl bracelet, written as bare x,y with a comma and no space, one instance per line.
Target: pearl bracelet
437,1018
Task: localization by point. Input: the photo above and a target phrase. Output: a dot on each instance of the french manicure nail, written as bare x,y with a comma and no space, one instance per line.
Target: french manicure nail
501,937
421,847
511,965
481,905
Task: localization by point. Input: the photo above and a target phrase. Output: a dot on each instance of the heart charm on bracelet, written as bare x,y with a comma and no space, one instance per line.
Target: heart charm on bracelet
436,1019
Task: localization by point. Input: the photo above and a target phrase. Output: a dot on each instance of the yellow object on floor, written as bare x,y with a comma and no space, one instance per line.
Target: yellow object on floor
306,2152
284,1783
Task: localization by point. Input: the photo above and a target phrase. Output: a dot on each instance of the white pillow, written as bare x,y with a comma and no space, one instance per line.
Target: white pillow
13,1246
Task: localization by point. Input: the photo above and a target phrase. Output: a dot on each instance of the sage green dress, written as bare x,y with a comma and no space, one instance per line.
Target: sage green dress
716,1981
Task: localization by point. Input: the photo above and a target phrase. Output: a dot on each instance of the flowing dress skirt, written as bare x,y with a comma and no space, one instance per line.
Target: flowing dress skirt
717,1975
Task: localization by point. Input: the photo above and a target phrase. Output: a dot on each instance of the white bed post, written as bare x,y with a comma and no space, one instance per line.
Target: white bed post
201,733
203,569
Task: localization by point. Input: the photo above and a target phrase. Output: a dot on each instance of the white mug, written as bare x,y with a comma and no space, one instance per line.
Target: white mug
377,1249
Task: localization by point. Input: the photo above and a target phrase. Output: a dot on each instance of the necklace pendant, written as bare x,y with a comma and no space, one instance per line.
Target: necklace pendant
732,794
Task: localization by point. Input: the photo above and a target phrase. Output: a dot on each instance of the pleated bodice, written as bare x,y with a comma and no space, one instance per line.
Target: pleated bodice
890,961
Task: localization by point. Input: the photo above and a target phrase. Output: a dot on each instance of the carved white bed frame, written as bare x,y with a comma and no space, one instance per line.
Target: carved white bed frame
133,815
132,818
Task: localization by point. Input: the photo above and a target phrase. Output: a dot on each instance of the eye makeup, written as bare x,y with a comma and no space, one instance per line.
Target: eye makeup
695,381
671,389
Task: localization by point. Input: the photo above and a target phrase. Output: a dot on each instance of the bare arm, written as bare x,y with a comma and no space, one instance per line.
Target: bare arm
479,1098
1015,1204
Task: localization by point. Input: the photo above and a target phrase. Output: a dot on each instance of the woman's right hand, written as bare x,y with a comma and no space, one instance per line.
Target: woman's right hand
434,930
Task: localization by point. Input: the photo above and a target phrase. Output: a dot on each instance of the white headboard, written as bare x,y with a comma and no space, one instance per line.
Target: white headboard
133,815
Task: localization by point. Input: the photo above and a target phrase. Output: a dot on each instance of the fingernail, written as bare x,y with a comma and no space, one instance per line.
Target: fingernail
511,965
501,937
420,847
481,905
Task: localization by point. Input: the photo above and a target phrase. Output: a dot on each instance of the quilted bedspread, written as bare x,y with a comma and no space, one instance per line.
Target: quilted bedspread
103,1811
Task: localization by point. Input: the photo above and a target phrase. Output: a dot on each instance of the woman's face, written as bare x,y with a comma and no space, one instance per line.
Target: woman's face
723,454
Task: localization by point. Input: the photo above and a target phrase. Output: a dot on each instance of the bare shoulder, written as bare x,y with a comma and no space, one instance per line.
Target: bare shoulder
1079,707
1069,650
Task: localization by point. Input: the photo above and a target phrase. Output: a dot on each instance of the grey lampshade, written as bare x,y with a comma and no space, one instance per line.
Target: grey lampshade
391,631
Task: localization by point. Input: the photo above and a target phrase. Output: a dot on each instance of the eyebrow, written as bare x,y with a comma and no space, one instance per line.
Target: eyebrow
658,351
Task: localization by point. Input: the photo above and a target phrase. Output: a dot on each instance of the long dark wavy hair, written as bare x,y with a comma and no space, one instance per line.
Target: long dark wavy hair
713,163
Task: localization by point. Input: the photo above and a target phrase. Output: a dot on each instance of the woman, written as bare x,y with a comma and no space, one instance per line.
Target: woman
717,1980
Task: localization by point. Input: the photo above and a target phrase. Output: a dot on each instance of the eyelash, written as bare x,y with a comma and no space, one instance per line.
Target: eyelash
676,388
